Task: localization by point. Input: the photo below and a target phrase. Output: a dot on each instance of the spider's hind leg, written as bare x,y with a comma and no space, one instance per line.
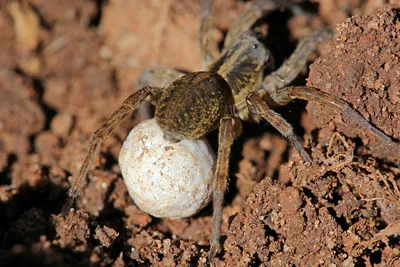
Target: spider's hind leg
287,94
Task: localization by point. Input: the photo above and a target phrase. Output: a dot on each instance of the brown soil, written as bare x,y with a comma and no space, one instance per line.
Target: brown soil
362,67
66,65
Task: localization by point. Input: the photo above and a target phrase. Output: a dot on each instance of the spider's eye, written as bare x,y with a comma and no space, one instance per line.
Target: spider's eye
255,46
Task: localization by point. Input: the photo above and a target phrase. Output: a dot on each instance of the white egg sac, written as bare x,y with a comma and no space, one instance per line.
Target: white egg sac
164,178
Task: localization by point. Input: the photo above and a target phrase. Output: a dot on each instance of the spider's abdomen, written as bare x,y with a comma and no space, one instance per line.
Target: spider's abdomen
192,106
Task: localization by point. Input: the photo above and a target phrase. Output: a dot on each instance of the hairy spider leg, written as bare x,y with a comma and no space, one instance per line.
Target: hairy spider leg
208,48
258,105
248,18
101,134
229,129
291,68
287,94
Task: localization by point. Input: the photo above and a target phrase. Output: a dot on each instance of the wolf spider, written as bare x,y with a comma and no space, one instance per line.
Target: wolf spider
233,88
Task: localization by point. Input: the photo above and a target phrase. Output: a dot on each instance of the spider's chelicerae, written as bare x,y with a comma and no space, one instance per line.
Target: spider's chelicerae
233,88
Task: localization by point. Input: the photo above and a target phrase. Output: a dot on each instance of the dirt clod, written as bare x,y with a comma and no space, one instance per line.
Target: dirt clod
73,230
106,235
363,68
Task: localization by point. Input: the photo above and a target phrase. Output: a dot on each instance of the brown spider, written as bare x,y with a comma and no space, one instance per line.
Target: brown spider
189,106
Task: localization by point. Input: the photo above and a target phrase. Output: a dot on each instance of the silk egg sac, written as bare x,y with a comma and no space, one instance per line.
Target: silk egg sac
166,179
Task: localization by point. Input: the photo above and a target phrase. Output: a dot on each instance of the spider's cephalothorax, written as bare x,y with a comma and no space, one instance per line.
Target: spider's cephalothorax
200,100
191,105
242,65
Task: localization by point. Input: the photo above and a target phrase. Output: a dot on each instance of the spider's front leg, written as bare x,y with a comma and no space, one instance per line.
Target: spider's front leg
230,127
209,50
101,134
247,19
287,94
260,107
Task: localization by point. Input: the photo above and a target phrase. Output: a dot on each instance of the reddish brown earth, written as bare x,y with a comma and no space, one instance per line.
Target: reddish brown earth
67,65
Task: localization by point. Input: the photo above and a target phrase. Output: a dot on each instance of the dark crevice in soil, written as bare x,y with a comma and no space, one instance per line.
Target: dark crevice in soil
270,232
110,161
335,196
96,19
5,175
340,220
48,111
256,261
375,257
381,224
314,136
309,193
38,86
43,23
394,240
